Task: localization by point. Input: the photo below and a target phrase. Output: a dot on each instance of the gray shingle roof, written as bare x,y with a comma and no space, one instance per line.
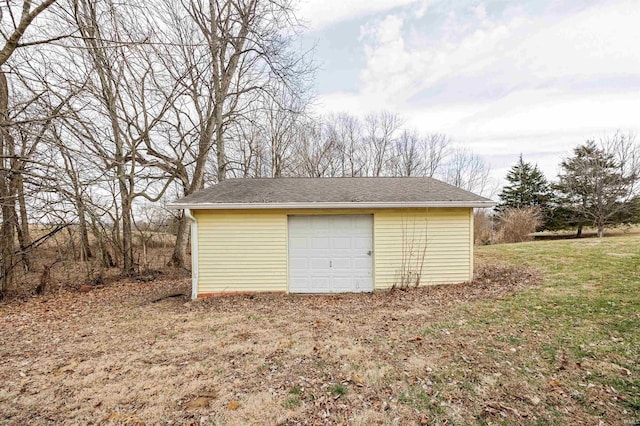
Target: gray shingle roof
324,192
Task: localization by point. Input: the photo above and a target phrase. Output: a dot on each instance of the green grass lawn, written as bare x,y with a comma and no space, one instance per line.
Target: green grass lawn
580,330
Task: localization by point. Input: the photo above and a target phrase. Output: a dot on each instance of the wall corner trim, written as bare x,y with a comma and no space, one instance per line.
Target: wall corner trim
194,253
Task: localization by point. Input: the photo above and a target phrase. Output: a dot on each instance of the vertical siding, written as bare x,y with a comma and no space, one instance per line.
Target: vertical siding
400,236
241,251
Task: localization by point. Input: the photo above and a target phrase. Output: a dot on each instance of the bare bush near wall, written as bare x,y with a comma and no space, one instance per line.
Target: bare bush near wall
414,234
483,227
518,225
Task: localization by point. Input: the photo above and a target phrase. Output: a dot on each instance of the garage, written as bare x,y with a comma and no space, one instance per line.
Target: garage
329,235
330,253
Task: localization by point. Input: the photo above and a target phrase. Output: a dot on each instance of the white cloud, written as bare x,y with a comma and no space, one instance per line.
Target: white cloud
598,42
321,13
503,86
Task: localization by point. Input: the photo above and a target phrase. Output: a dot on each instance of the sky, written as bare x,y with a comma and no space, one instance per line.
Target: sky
501,77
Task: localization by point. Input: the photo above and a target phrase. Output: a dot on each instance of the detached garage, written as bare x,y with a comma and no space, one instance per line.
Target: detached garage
329,235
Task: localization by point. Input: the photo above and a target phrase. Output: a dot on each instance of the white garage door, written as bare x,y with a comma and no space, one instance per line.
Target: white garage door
330,254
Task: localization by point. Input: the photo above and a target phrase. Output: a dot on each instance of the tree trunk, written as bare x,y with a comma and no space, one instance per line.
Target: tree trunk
600,230
579,233
127,232
6,198
24,236
178,256
85,249
103,252
8,237
220,151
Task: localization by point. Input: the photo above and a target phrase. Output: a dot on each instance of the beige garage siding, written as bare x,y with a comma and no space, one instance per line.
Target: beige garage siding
400,238
241,251
246,250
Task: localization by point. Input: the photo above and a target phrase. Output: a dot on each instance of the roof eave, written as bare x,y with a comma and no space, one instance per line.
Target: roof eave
334,205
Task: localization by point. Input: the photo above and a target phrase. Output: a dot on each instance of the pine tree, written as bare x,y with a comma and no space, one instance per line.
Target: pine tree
596,187
527,187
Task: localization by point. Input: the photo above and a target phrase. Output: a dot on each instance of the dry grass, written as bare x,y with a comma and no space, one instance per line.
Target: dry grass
477,353
70,273
518,225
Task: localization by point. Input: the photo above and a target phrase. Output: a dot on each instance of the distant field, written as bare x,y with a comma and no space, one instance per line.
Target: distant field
589,233
560,346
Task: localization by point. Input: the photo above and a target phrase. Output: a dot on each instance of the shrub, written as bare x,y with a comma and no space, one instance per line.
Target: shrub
517,225
482,227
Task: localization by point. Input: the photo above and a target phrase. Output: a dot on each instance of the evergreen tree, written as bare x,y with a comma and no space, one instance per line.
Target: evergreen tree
527,187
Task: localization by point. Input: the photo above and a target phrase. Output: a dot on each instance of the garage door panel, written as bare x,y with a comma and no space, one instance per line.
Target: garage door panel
342,263
319,284
362,285
319,263
320,243
342,242
320,225
362,263
298,243
299,263
361,243
330,254
344,284
343,253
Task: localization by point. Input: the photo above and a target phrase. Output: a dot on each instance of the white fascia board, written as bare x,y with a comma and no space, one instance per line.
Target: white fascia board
341,205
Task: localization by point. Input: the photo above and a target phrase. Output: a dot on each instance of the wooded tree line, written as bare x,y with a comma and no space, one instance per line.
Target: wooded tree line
598,186
108,107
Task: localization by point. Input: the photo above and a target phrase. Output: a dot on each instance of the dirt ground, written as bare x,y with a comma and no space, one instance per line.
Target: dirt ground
116,355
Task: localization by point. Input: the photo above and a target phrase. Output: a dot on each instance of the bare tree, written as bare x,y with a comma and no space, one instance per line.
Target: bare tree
376,145
228,56
283,116
380,132
407,155
468,171
315,153
419,155
348,134
12,30
130,100
436,150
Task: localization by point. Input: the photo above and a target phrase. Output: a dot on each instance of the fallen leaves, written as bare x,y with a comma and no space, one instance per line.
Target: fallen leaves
503,410
274,358
534,400
124,418
201,401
